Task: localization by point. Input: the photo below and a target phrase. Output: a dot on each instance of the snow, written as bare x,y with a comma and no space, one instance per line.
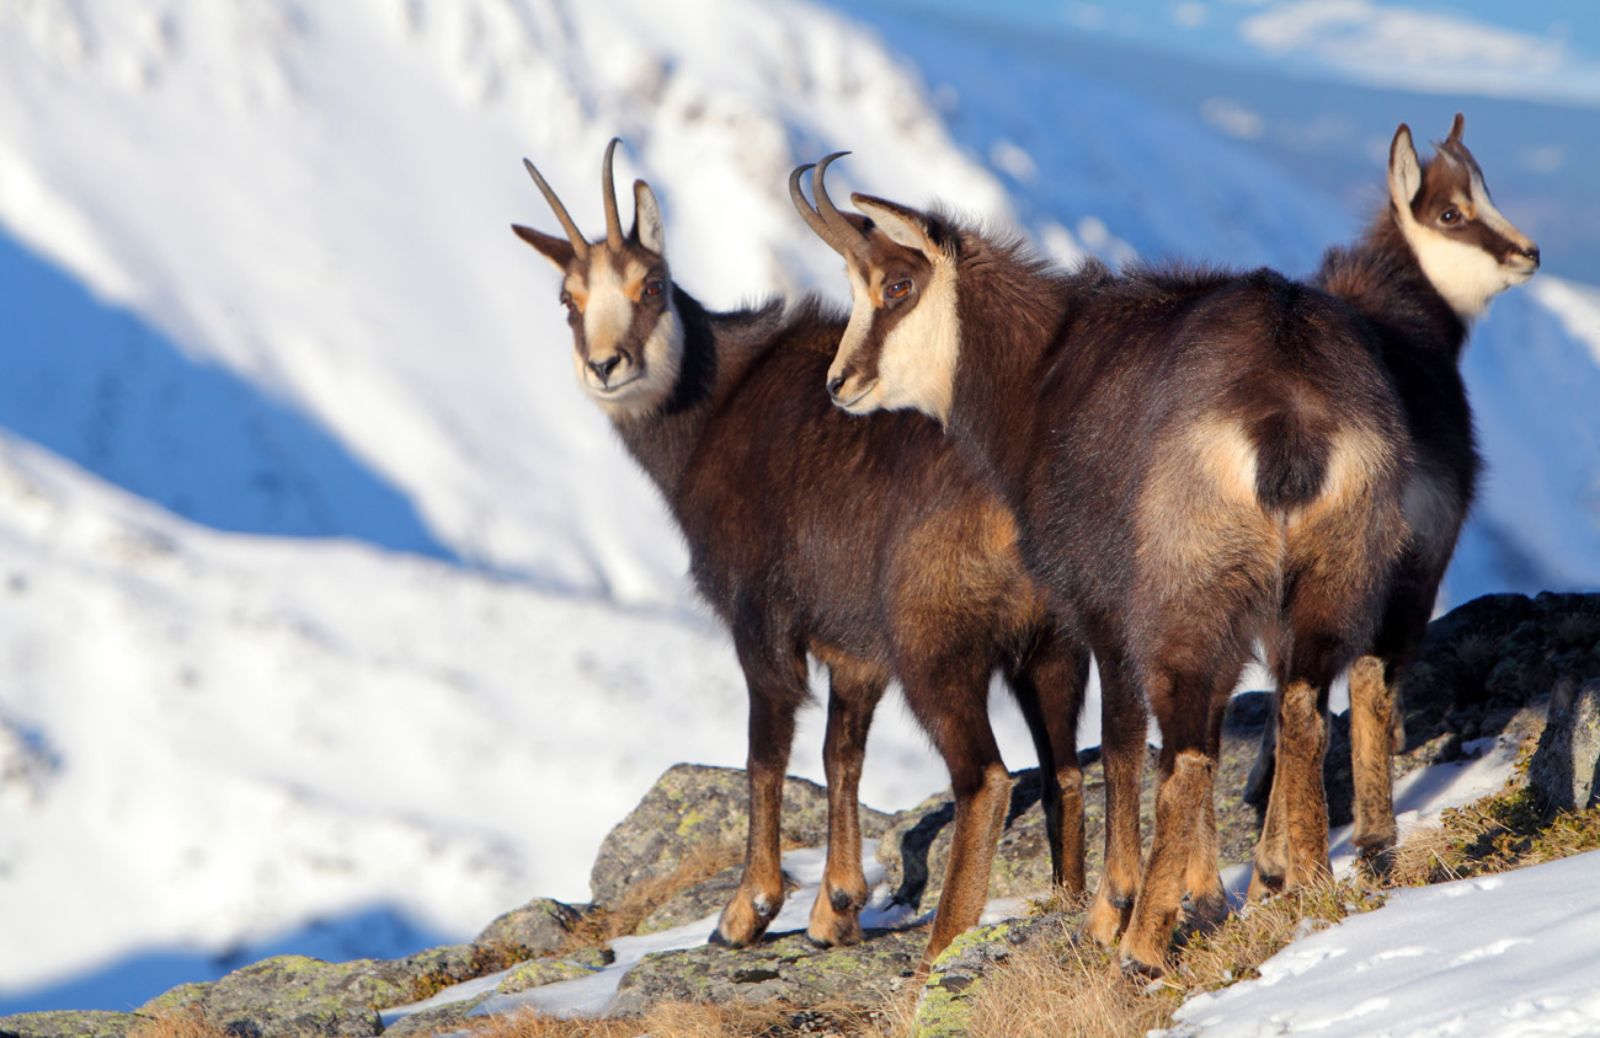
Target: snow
1421,797
1515,955
334,619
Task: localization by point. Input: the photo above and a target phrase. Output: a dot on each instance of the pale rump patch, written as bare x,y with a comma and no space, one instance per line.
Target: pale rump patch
1198,510
1355,455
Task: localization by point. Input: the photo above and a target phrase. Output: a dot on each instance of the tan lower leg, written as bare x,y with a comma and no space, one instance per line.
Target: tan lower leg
978,822
1302,743
1178,804
1119,883
1208,899
1371,742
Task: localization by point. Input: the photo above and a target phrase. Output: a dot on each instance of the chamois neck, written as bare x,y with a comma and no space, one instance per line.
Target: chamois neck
717,349
1381,277
1012,310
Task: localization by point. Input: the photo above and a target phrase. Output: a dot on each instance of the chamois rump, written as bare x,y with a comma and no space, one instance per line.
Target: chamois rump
1426,268
1196,459
870,545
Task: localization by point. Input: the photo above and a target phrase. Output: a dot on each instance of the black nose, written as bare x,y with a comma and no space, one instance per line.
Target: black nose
835,384
604,368
1532,252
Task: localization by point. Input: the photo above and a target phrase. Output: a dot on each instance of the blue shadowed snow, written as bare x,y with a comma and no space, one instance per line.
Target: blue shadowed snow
380,931
97,385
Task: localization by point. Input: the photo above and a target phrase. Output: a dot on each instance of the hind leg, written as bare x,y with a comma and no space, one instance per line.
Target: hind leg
775,673
1124,725
1182,851
1208,899
854,691
950,698
1049,686
1377,727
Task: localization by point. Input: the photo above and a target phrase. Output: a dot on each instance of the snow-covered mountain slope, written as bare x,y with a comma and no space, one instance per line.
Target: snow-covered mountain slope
1507,956
324,587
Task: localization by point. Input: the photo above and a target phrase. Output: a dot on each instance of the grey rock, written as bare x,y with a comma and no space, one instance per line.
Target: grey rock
692,807
1565,770
67,1024
293,996
917,845
696,902
539,972
956,976
438,1020
537,928
787,968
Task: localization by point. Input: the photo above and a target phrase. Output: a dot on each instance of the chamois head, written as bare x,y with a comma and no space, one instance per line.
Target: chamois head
626,335
1467,249
899,349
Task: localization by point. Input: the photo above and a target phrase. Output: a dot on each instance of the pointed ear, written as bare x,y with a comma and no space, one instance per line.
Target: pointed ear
556,250
1405,172
904,226
648,229
1456,128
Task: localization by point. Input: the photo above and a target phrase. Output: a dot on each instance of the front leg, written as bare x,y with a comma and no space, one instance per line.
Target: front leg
777,688
854,691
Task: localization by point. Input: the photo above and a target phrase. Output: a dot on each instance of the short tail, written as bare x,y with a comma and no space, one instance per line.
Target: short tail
1291,460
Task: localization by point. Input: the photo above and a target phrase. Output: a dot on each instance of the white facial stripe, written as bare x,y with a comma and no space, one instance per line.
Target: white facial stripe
1492,217
1465,275
609,311
855,333
917,367
651,387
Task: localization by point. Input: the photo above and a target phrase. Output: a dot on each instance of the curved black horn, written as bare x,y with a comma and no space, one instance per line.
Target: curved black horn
608,193
579,244
845,237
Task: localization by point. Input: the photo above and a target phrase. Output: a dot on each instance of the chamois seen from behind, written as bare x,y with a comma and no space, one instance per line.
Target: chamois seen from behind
1197,460
1426,269
870,545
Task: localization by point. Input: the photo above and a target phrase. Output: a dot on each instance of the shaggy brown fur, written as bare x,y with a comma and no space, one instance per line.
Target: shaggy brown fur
1421,338
869,544
1196,459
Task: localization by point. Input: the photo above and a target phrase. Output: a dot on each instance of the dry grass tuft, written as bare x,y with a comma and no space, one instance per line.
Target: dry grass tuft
1067,989
1499,833
695,1020
601,926
178,1023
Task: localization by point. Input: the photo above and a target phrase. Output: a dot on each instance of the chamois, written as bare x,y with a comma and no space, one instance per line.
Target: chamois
1428,266
1196,459
871,545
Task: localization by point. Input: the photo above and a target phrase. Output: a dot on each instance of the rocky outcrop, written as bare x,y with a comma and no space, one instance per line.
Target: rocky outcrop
537,928
787,968
71,1023
294,995
916,847
1565,769
693,807
1490,668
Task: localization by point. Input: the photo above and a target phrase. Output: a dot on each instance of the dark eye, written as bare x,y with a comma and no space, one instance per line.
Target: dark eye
1450,215
654,288
898,290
